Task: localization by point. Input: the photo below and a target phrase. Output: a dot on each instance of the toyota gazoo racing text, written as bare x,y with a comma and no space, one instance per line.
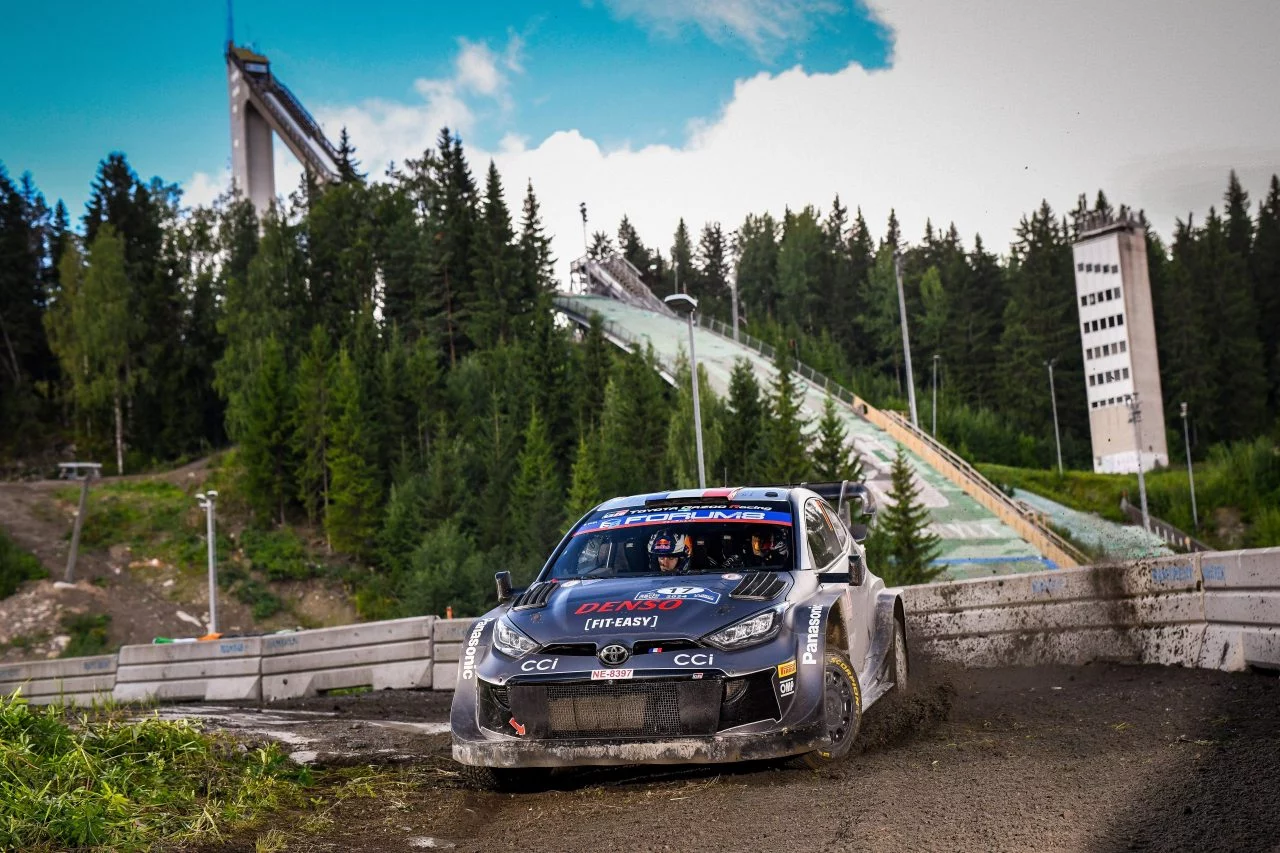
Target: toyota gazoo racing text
685,627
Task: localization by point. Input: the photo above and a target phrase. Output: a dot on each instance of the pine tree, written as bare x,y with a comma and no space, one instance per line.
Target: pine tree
1266,282
536,496
311,425
681,260
710,277
584,482
348,165
105,328
681,462
744,425
785,459
833,458
756,247
264,432
354,498
601,246
536,263
593,363
911,547
498,309
803,266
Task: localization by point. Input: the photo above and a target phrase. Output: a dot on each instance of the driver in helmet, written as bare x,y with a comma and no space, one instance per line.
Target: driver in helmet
770,548
672,551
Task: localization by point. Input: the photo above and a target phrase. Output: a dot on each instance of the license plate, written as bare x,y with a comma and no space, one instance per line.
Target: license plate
597,674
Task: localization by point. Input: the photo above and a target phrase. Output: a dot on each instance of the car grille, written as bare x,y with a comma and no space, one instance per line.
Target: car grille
643,708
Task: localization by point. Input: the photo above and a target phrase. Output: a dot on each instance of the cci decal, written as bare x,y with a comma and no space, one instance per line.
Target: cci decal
786,669
599,674
619,606
786,687
811,635
543,665
679,593
469,653
621,622
696,659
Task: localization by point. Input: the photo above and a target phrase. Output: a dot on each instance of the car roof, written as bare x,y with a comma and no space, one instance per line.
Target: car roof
736,494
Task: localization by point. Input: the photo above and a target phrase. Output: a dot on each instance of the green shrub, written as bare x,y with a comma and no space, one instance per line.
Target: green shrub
280,554
126,785
16,566
88,634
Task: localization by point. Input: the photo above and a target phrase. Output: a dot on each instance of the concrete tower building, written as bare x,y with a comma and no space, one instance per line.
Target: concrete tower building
262,105
1118,336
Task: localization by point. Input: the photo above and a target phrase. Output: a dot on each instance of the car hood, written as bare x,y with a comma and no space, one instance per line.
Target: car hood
593,610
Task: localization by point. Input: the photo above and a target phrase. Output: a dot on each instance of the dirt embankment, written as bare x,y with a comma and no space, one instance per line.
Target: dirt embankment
1096,758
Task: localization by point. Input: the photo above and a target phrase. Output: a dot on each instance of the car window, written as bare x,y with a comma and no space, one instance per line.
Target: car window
842,532
824,545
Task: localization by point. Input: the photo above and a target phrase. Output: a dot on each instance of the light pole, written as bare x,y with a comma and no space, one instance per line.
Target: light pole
1053,397
733,292
1191,476
935,394
906,340
207,501
675,261
684,304
1135,418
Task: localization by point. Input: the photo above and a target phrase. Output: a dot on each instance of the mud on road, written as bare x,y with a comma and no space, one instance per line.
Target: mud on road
1096,758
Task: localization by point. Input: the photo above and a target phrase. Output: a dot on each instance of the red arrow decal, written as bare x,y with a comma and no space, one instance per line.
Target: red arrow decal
519,728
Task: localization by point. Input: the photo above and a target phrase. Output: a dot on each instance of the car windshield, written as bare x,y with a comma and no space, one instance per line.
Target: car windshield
681,540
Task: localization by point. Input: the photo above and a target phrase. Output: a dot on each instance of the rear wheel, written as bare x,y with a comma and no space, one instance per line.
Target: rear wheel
900,664
842,703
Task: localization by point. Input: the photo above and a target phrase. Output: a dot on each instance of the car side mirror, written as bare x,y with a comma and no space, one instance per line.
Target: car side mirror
857,568
858,532
503,582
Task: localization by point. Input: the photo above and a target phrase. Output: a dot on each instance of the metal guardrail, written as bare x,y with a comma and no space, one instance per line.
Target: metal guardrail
1166,531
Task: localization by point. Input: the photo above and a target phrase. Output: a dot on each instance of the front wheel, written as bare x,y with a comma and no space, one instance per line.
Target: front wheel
900,664
842,701
505,779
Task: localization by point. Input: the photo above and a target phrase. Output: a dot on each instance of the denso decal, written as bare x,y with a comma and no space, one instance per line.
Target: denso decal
620,606
543,665
621,622
811,635
469,653
696,659
786,687
679,593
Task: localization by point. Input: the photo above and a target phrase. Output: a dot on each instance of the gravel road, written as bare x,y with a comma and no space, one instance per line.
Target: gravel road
1096,758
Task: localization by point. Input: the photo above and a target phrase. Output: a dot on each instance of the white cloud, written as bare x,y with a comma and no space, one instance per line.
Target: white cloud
762,25
203,188
477,68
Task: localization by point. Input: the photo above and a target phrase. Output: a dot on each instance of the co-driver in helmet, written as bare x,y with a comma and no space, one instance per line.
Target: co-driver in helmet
672,551
770,548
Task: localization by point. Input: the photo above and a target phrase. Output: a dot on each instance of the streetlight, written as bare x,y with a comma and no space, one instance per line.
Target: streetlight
935,394
683,303
1135,418
906,339
207,500
1186,440
1053,396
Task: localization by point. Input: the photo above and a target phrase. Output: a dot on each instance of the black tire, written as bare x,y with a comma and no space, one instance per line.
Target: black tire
503,779
900,661
842,698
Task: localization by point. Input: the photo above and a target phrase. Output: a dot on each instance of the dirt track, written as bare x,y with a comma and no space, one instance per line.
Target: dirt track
1096,758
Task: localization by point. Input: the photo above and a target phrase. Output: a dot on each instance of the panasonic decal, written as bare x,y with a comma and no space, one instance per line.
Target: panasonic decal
811,636
469,654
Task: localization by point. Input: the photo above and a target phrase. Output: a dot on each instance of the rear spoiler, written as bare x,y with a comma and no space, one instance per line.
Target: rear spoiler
843,493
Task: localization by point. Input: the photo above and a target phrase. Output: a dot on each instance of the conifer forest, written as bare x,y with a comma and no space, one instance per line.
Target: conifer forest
382,361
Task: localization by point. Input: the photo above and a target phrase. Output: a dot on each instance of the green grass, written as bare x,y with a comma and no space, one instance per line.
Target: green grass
127,785
1237,493
150,514
88,634
16,566
279,554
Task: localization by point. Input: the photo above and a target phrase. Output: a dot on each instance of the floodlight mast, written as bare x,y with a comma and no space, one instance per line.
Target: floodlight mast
686,305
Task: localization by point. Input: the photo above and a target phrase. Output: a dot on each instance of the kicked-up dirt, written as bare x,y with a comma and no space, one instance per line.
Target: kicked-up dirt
1097,758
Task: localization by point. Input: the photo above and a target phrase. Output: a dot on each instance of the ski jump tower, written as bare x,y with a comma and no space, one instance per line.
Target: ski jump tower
262,105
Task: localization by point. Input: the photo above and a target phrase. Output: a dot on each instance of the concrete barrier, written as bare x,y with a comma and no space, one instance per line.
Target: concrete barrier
1242,609
228,669
1150,611
380,655
448,636
69,681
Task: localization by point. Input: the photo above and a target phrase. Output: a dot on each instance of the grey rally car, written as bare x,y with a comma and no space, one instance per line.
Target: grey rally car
693,626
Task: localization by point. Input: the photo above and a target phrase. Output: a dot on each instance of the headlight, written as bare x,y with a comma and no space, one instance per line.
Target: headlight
748,632
510,641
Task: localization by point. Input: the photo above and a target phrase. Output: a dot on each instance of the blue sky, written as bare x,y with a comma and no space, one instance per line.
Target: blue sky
147,77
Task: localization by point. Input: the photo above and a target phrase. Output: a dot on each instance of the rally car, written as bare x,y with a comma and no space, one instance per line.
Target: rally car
695,626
